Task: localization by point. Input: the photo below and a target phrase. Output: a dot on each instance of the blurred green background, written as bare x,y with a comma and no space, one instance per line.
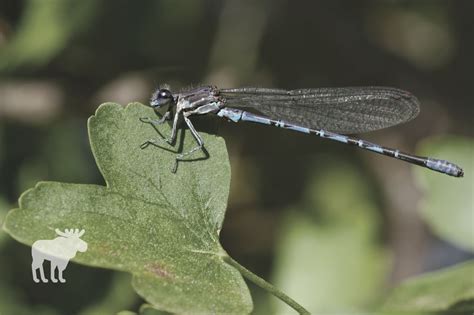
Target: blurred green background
334,227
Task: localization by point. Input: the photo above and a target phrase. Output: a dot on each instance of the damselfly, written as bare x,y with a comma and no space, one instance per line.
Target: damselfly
325,112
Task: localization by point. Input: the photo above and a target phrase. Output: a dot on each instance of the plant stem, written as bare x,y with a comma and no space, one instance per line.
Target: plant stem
265,285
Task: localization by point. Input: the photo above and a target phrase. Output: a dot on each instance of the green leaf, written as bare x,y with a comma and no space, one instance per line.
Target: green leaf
44,30
447,204
119,294
161,227
328,256
450,288
59,144
146,309
3,213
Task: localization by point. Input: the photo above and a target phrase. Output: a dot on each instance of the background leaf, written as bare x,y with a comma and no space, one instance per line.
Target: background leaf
119,295
161,227
448,204
51,21
3,213
451,287
328,258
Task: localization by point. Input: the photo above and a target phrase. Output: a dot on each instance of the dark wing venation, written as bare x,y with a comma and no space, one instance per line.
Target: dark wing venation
341,110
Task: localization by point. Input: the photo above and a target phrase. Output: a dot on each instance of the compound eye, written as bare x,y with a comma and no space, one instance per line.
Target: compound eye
160,98
164,94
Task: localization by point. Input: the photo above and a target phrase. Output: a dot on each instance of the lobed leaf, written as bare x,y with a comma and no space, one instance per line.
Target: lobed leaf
161,227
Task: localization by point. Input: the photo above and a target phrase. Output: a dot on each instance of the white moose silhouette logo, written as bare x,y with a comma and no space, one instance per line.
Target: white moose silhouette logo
58,251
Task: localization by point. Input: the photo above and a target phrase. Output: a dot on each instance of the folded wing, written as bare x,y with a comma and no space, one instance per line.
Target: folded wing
341,110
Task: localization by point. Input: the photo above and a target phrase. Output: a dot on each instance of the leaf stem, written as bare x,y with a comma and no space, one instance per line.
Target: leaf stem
265,285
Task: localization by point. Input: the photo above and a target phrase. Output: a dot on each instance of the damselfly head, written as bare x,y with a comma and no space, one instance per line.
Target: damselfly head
161,97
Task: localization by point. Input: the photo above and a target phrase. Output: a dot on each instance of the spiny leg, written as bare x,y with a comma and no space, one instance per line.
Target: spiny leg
196,136
156,122
200,106
172,137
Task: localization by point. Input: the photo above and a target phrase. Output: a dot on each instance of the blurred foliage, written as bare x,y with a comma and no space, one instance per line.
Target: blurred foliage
450,289
330,260
59,59
64,155
4,207
45,29
449,200
120,294
402,28
145,309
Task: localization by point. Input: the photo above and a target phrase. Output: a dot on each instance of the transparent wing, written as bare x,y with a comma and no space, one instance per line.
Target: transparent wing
341,110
